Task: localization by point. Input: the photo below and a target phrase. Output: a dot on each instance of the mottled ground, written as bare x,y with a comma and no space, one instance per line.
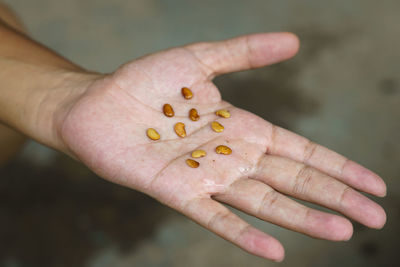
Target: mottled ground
342,90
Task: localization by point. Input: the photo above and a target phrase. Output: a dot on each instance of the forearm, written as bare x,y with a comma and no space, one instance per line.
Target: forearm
35,85
10,18
17,45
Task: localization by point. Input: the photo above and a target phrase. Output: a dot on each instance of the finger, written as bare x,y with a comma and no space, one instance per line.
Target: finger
287,144
307,183
262,201
220,220
245,52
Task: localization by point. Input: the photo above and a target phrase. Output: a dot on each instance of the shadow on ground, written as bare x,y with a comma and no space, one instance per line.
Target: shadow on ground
66,212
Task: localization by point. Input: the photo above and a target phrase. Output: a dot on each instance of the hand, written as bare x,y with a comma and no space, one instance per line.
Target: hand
106,129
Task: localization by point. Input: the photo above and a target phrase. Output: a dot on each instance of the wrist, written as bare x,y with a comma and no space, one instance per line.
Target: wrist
69,87
35,99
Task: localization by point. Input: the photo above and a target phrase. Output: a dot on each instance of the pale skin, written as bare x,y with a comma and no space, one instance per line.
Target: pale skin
101,120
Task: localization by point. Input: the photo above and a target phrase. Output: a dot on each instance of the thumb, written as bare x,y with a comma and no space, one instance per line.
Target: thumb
245,52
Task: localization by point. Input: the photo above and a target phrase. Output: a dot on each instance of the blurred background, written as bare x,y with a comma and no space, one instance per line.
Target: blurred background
342,90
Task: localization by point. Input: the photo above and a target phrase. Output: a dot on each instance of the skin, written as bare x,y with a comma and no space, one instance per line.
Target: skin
101,120
11,141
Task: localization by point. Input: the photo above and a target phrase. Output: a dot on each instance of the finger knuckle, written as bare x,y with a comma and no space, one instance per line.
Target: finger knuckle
303,180
342,196
217,218
268,200
242,231
309,151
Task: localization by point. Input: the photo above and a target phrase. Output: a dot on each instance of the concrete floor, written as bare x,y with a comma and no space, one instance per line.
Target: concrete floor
342,90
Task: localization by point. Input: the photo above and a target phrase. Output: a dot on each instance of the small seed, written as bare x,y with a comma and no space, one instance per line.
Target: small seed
168,110
217,127
223,150
223,113
187,93
180,129
198,154
193,115
192,163
153,134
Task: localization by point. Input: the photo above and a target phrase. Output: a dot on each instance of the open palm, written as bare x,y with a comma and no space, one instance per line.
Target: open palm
106,129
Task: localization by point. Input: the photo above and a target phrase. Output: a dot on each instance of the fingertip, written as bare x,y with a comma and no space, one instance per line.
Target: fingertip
381,187
341,229
364,179
347,231
379,218
293,42
382,194
364,210
329,226
263,245
275,252
377,185
280,254
270,48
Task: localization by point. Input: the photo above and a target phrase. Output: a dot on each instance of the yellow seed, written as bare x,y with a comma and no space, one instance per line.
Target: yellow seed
153,134
187,93
192,163
198,154
217,127
180,129
168,110
223,113
193,115
223,150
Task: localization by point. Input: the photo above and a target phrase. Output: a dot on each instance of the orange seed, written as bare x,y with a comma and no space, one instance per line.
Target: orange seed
168,110
192,163
187,93
217,127
180,129
153,134
223,113
223,150
194,115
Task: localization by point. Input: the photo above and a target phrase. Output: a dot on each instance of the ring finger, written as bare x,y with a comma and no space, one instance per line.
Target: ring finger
260,200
